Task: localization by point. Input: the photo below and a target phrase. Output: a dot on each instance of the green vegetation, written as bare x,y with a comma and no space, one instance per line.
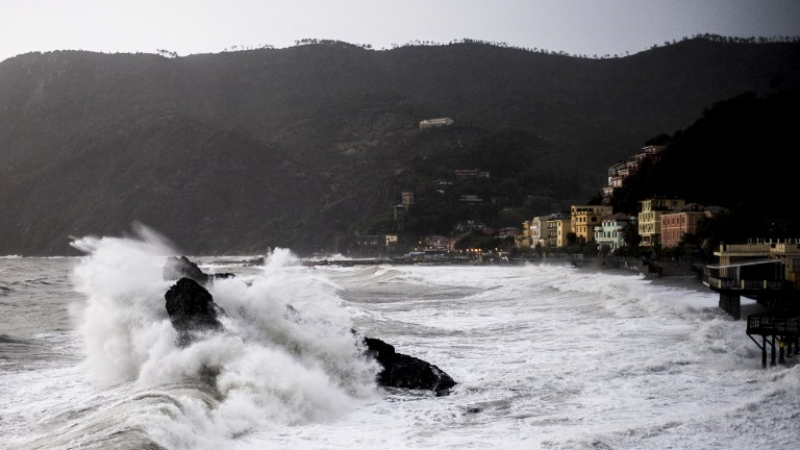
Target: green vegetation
239,151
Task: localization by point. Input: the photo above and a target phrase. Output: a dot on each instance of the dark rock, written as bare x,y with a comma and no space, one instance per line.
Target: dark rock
191,309
182,267
404,371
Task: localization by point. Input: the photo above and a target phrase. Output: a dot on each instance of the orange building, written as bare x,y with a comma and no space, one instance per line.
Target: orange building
678,223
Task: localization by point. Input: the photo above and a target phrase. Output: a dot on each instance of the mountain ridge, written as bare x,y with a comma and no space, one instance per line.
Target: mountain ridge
291,147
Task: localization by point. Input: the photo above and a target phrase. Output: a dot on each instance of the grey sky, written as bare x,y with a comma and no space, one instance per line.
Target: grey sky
204,26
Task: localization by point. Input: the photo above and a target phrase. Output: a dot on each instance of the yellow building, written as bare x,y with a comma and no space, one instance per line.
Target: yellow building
650,218
583,219
558,226
523,240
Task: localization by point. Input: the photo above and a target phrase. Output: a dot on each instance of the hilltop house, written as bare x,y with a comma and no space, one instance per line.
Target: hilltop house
434,123
620,171
407,199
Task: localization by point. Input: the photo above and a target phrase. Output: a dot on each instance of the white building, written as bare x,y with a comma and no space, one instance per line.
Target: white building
609,233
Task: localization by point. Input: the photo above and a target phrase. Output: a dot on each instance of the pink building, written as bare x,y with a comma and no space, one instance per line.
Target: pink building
675,224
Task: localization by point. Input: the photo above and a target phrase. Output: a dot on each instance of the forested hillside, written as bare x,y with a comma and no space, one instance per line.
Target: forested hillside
234,152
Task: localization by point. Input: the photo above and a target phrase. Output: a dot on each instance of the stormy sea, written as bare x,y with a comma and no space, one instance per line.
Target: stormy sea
545,356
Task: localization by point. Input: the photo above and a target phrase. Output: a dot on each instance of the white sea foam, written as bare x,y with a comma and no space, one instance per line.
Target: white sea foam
545,357
287,354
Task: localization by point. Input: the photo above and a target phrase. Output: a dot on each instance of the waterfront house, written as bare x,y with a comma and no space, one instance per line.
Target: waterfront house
523,240
674,225
583,219
610,232
538,231
558,226
650,218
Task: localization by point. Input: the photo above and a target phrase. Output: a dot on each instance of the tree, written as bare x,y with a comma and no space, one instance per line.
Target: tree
630,235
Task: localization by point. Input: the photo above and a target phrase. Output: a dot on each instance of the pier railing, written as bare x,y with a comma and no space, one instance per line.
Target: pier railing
768,324
716,281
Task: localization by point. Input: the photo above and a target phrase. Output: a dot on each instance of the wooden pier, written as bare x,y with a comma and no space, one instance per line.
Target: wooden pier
732,283
775,331
769,273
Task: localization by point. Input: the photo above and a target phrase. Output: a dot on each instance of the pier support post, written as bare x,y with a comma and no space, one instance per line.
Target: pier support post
764,352
781,351
772,353
731,304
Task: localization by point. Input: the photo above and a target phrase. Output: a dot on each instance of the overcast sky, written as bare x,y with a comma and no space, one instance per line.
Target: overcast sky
205,26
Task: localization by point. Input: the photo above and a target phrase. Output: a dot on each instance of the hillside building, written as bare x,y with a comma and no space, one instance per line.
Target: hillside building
436,123
470,199
620,171
407,199
465,174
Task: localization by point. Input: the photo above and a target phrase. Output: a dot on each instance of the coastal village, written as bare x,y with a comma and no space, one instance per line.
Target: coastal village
660,223
765,271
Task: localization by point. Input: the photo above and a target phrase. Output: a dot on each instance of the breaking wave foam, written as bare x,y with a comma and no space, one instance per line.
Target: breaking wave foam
286,354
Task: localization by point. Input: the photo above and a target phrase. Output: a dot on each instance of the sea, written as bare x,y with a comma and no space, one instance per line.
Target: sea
546,356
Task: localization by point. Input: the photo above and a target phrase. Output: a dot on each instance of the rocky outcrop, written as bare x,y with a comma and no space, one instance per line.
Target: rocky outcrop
191,310
182,267
404,371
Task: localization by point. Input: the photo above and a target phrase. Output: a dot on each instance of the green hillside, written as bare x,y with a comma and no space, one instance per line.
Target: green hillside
234,152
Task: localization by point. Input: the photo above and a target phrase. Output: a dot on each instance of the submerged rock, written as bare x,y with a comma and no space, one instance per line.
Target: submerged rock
182,267
191,310
404,371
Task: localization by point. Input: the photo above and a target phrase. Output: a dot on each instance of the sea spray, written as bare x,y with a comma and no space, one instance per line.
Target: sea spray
286,355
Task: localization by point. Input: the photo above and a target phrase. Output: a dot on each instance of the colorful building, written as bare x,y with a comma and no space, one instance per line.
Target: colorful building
610,232
583,219
523,240
650,218
675,225
558,226
538,231
620,171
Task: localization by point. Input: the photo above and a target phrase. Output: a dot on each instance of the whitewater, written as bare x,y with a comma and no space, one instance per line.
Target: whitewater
545,356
